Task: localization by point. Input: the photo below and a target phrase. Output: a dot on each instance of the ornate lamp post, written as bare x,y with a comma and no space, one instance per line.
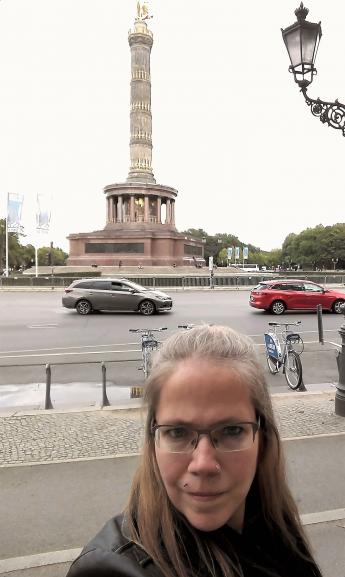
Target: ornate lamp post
302,41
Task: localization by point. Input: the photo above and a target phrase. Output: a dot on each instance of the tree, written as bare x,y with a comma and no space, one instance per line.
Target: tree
23,256
51,256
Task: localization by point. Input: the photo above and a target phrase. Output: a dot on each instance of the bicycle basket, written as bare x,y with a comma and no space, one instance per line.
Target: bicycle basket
272,346
296,341
150,344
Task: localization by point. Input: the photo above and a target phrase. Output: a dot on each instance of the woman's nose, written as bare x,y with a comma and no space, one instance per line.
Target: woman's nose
204,458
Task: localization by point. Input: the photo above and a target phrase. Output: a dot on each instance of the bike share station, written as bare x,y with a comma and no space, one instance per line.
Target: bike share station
283,350
283,347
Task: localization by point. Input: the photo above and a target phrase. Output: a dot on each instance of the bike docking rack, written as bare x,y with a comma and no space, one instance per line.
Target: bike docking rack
339,406
283,350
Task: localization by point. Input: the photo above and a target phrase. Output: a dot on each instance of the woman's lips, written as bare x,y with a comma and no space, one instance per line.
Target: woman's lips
205,496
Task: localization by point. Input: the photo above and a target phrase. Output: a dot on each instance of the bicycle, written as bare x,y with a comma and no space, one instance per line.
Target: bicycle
289,357
148,344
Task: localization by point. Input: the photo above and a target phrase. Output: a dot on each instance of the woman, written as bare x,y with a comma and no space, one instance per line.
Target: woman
210,496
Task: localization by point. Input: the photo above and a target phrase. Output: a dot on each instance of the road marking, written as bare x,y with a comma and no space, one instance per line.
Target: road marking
300,332
45,326
69,348
68,555
67,354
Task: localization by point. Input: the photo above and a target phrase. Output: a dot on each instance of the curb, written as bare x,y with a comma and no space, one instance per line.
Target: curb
137,405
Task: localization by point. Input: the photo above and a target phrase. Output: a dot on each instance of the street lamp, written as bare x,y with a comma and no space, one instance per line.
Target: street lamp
334,261
302,41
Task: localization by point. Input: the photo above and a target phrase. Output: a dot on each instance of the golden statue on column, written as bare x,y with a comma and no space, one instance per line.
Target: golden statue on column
142,11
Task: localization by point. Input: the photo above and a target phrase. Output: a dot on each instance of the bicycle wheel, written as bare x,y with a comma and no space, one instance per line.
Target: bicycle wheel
273,365
293,369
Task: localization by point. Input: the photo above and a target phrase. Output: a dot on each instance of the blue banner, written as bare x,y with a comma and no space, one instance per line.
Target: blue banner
14,212
43,212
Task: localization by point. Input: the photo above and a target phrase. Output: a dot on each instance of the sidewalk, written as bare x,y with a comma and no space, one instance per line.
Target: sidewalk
54,436
80,446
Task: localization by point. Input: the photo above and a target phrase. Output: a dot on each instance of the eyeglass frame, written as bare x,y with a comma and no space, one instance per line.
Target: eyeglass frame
208,432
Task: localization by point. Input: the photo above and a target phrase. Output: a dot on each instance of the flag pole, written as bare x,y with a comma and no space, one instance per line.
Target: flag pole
36,257
6,270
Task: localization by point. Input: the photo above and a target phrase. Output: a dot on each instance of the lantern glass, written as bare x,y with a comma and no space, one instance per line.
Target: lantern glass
293,46
309,44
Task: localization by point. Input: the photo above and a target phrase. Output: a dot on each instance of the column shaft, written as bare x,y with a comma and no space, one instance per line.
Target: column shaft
159,206
168,215
146,208
119,209
131,208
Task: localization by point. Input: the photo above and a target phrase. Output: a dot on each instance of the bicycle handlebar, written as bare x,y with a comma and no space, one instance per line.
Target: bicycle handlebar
284,324
147,330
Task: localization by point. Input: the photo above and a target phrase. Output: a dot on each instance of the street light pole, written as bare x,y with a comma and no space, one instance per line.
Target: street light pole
334,261
302,41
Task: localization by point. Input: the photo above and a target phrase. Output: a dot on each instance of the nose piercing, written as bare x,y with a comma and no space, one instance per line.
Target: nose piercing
185,485
218,468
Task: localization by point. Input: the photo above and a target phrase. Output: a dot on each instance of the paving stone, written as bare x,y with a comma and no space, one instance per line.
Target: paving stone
49,436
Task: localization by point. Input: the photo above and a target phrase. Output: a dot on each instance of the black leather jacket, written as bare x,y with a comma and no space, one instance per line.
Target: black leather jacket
260,553
111,554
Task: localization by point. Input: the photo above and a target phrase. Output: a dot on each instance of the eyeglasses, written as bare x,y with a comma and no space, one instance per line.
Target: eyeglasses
226,438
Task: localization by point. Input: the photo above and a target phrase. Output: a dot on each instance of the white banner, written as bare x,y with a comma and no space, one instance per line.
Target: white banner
14,212
43,212
245,253
237,252
210,263
229,252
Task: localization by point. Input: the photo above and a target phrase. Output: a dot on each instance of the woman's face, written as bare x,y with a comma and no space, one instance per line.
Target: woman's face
207,486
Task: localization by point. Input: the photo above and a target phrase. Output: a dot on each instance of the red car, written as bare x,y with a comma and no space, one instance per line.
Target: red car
277,296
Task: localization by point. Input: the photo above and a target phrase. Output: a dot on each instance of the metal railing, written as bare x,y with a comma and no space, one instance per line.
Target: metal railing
171,281
135,392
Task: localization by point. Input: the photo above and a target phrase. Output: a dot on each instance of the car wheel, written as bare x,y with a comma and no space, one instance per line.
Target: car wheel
338,307
278,307
83,307
147,308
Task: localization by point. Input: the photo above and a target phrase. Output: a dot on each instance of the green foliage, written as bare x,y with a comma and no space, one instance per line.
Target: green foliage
51,256
314,248
321,247
23,256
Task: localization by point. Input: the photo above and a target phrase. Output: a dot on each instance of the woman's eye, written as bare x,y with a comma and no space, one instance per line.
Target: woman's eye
232,431
176,433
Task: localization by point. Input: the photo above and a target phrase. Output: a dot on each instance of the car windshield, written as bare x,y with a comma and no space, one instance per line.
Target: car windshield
136,286
260,287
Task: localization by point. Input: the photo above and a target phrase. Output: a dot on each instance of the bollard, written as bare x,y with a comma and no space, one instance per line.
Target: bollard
105,401
48,404
320,324
340,392
137,392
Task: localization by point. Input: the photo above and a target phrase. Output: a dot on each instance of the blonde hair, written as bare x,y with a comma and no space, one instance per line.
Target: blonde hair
150,515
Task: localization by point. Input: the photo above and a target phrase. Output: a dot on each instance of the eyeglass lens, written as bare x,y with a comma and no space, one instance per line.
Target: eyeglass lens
182,439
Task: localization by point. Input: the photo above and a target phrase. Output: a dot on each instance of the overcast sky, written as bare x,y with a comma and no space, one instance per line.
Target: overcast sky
230,129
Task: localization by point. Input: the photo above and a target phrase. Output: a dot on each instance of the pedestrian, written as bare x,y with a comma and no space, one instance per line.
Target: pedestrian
120,263
210,497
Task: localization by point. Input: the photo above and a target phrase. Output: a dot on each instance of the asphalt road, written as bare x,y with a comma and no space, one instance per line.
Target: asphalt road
36,329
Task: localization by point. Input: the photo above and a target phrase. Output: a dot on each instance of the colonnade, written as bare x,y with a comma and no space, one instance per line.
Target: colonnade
143,208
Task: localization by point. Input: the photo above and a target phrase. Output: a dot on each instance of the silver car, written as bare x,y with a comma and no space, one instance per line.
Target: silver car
114,294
